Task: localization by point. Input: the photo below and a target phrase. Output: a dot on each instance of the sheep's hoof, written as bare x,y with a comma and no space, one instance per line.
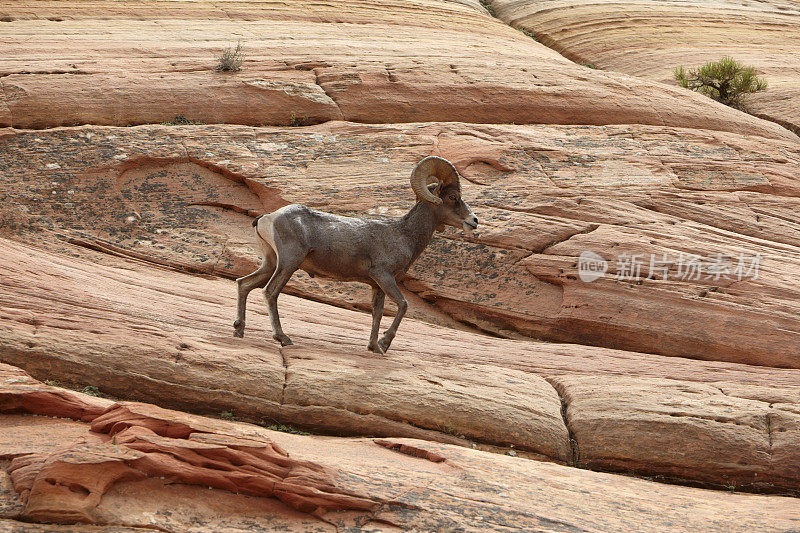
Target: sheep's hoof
238,333
385,342
238,329
283,339
375,347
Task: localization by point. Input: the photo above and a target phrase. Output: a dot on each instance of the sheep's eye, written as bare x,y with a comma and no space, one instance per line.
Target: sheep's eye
452,197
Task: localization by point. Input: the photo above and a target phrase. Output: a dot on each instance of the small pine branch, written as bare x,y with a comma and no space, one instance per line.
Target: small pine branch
726,80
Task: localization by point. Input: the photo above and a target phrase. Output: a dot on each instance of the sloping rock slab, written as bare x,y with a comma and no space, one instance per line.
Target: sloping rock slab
195,364
131,442
16,526
628,37
480,402
139,332
19,393
692,430
649,201
416,484
307,62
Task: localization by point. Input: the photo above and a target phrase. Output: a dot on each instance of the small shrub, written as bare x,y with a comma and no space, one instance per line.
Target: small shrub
227,415
91,390
231,59
726,81
180,120
450,430
287,429
529,33
52,383
589,65
487,4
295,120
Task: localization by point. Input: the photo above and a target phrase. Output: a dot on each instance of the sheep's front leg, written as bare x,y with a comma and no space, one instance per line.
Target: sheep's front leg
387,282
377,313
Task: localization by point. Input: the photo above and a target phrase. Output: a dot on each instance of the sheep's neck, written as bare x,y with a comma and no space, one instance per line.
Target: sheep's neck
419,224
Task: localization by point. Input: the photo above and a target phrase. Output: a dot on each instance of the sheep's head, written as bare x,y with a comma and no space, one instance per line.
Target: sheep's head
436,181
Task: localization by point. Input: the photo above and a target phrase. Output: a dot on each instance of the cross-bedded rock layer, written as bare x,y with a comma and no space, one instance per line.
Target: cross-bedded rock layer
143,333
113,241
308,62
139,466
544,194
650,39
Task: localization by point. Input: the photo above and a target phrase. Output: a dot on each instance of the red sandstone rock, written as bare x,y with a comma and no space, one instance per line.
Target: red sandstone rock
169,340
20,393
651,39
181,198
27,527
688,424
671,173
308,62
67,484
418,484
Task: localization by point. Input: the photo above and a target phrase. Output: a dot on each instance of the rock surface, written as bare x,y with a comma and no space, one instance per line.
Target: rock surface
652,201
308,62
144,333
697,428
118,245
126,461
650,39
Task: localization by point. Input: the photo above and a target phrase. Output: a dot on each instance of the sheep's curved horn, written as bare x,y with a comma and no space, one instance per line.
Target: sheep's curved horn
431,170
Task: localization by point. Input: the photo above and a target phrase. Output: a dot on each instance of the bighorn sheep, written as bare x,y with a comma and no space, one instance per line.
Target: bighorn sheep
354,249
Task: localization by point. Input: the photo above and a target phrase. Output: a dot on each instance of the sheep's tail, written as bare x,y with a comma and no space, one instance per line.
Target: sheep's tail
255,225
266,239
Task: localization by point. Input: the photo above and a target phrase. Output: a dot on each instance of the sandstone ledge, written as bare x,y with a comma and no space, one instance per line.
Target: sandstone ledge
143,333
418,484
630,37
309,62
183,197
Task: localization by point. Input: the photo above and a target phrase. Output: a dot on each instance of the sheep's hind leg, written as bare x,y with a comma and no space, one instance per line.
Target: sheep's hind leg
257,279
389,286
280,277
378,297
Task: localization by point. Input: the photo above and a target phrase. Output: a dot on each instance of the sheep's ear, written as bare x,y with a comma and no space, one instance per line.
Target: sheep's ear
434,188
